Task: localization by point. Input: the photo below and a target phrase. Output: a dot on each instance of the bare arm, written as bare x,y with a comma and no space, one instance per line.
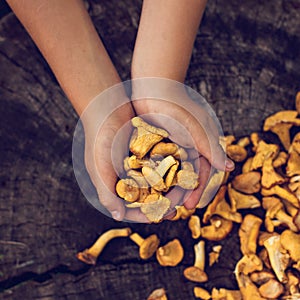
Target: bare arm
63,31
165,38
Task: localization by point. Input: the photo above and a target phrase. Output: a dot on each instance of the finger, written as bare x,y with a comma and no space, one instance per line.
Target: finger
192,198
135,215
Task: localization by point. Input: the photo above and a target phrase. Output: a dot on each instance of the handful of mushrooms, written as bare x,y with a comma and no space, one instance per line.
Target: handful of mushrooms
269,265
154,167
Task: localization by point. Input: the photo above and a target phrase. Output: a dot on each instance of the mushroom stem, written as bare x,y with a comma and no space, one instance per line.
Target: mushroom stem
135,237
199,249
89,256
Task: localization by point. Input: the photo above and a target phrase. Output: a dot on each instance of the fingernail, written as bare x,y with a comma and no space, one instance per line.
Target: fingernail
116,215
229,164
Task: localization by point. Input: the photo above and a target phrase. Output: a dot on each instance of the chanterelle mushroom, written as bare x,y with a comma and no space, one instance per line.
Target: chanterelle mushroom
201,293
248,289
144,137
290,241
148,246
248,234
162,149
196,272
275,215
278,259
262,151
195,226
89,256
248,183
220,207
280,123
293,164
128,189
171,254
271,289
241,201
218,229
158,294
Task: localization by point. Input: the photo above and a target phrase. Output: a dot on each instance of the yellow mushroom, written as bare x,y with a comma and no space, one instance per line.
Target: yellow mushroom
132,162
214,254
248,234
272,289
293,164
162,149
281,193
280,123
247,165
196,272
218,229
292,286
187,179
128,189
269,177
262,151
280,160
225,294
236,152
170,179
243,267
248,183
201,293
182,213
90,255
241,201
154,179
290,241
278,259
195,226
261,277
144,137
148,246
158,294
275,215
220,207
171,254
254,138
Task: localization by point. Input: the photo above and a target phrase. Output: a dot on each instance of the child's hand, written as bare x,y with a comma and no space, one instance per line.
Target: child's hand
190,126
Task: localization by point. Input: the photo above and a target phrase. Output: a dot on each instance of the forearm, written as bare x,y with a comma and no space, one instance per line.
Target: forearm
166,37
65,35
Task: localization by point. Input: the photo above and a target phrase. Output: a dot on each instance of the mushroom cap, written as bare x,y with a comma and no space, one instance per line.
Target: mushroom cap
236,152
128,189
195,274
149,246
171,254
271,289
290,241
218,229
285,116
248,183
158,294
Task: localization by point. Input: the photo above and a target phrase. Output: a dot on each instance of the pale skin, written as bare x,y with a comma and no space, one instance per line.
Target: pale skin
66,36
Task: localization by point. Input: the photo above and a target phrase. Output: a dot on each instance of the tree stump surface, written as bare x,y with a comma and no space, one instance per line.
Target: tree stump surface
246,64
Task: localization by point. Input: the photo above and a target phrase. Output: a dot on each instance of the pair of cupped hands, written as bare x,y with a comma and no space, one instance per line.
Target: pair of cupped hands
107,129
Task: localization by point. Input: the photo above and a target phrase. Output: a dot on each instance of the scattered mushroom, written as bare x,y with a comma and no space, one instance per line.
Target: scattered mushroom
162,149
280,123
218,229
201,293
196,272
280,160
248,183
220,207
278,259
147,246
225,294
272,289
214,254
158,294
171,254
241,201
90,255
275,215
261,277
182,213
290,241
248,234
269,176
195,226
293,164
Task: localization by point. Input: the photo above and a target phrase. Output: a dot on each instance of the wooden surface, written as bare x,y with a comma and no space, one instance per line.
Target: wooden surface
245,62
